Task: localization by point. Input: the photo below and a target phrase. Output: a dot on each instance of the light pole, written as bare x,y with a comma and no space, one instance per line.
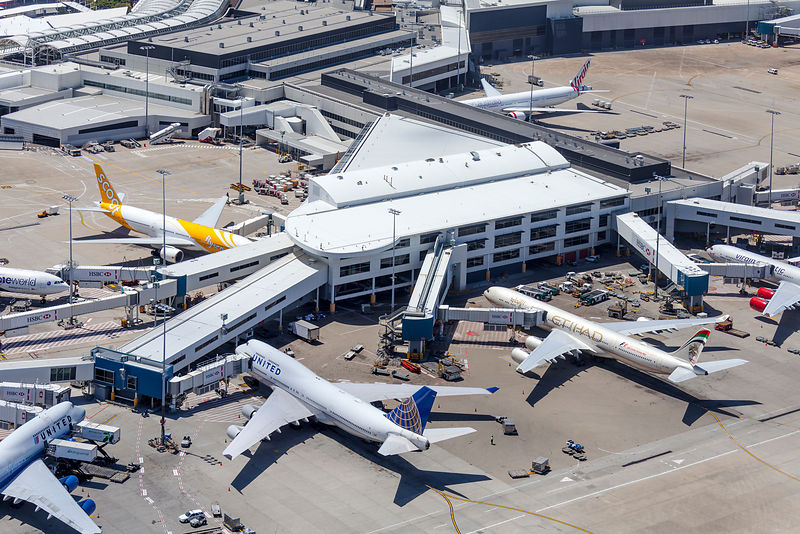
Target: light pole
530,109
747,24
411,63
771,138
147,49
686,99
458,58
163,173
241,133
394,213
70,199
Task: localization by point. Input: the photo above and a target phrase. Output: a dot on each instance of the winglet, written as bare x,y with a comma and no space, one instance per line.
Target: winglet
493,389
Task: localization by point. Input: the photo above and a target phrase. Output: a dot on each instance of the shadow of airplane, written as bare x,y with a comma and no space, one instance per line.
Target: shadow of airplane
788,325
455,416
268,453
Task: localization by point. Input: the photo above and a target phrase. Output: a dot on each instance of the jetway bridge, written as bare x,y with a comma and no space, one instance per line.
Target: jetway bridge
667,259
504,316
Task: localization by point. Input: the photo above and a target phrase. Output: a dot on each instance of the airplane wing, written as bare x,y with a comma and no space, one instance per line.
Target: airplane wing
211,216
528,109
489,89
37,485
280,409
148,241
630,328
556,344
787,295
378,391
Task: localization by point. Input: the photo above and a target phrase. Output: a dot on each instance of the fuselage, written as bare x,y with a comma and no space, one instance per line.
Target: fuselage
30,282
624,348
541,98
330,404
150,223
27,442
780,270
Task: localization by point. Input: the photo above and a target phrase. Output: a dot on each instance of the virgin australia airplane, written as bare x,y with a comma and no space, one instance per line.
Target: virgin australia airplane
199,234
298,394
768,302
570,333
523,104
24,477
30,282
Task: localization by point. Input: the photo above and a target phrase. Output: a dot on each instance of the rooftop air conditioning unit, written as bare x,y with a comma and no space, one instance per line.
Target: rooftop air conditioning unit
324,22
277,33
347,18
299,28
251,24
222,45
249,39
186,39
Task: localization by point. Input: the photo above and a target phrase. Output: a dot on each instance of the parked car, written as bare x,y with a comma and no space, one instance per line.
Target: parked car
191,514
592,259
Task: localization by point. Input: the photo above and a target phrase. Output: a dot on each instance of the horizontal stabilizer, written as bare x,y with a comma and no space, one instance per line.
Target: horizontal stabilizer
721,365
145,241
528,109
92,208
441,434
396,444
681,374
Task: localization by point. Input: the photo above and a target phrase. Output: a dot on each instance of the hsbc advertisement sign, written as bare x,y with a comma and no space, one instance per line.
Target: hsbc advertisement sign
43,317
503,317
106,275
212,375
13,394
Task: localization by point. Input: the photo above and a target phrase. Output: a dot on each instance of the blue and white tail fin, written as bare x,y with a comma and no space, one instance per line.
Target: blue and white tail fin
412,414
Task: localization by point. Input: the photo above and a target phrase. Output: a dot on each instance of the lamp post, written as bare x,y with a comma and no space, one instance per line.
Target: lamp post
147,49
458,58
163,173
771,138
686,99
530,109
70,199
747,23
411,63
394,213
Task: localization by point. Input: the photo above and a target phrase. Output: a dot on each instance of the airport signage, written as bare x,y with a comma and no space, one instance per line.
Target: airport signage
213,375
42,317
104,275
502,317
16,394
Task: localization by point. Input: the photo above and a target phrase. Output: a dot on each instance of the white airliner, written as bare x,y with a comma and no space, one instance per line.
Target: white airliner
30,282
518,105
25,477
767,301
570,333
199,234
298,394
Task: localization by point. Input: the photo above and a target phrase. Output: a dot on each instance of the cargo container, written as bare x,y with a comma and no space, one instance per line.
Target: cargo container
304,330
72,450
98,432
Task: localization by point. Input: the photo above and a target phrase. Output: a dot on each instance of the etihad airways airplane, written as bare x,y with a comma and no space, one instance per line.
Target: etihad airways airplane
30,282
199,234
767,301
298,394
25,477
570,333
518,105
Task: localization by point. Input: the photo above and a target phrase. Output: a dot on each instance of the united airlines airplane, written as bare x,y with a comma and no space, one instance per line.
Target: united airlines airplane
199,234
570,333
30,282
767,301
24,477
298,394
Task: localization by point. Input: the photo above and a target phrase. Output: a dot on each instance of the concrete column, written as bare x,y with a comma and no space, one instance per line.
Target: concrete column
280,321
524,267
708,234
135,400
488,275
372,298
332,308
619,253
316,302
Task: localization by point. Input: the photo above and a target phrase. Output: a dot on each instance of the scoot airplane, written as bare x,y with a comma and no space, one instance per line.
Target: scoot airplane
767,301
30,282
25,477
571,333
518,105
199,234
298,394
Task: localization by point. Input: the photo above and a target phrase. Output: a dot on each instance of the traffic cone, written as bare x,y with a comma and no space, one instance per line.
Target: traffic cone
229,489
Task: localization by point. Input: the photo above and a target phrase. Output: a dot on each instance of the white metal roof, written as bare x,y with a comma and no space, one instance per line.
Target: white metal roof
741,209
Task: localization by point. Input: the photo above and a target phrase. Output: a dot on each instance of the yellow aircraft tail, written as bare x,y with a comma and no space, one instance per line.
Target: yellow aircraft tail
107,193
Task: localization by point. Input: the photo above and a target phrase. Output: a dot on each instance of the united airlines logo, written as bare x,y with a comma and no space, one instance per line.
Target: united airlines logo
36,439
55,430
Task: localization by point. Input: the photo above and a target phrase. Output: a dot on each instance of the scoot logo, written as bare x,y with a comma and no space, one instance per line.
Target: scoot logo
109,196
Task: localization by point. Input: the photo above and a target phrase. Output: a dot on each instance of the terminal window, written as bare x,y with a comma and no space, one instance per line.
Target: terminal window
424,239
603,220
580,208
406,241
506,240
477,244
132,382
544,232
574,241
507,255
347,270
474,262
472,229
577,226
62,374
398,260
507,223
544,247
544,215
103,375
612,202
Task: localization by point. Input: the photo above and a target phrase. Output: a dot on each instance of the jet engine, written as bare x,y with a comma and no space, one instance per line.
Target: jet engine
765,293
519,115
531,342
233,431
70,482
88,506
248,410
519,355
171,254
758,304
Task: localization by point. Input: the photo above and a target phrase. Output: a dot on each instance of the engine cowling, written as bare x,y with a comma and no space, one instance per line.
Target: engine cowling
519,115
171,254
248,410
70,482
758,304
531,342
519,355
88,506
765,293
233,431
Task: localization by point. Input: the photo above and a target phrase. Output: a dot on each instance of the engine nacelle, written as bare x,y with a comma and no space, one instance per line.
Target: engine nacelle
70,482
531,342
88,506
248,410
519,355
171,254
758,304
519,115
233,431
765,293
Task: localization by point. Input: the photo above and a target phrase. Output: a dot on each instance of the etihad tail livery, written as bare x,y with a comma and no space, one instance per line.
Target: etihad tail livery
199,234
298,394
518,105
768,302
570,334
25,477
